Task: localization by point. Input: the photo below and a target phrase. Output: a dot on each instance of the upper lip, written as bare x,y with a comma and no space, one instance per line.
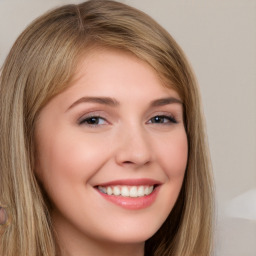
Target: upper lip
131,182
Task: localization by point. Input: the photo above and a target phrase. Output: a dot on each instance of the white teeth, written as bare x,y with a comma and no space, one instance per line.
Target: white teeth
127,191
133,192
116,191
109,191
150,190
146,191
140,191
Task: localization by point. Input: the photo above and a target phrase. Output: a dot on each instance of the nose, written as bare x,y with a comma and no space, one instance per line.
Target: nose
134,147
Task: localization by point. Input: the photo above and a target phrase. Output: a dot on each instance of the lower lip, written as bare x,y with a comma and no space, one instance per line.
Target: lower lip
132,203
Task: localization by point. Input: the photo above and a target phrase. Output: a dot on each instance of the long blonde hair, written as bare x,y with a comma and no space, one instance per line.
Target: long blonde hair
40,65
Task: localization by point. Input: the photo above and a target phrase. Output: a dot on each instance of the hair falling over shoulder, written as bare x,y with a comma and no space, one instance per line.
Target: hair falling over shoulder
40,65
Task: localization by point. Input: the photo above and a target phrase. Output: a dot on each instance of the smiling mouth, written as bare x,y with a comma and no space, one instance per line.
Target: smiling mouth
127,191
131,194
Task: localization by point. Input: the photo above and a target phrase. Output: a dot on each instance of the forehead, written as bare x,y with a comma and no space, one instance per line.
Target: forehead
103,70
109,65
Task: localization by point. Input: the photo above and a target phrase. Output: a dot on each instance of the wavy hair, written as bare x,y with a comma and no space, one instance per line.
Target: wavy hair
40,65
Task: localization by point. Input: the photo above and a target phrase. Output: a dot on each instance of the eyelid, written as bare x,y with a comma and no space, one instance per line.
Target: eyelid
93,114
84,119
170,119
174,114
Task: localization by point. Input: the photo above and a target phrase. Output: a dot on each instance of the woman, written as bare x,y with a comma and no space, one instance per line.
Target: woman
102,139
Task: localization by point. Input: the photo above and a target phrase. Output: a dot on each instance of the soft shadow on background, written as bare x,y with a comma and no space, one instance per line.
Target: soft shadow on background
219,39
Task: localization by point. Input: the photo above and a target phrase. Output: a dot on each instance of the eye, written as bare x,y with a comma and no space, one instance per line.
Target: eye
93,121
162,119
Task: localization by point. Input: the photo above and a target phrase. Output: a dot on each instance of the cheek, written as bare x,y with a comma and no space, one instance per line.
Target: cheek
67,158
173,155
65,167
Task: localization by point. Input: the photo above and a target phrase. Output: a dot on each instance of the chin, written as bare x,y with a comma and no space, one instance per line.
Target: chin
128,235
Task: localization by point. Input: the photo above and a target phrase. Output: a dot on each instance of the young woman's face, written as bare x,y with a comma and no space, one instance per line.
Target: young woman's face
112,150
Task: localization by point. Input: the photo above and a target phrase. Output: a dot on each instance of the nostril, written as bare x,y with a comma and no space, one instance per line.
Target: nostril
134,163
128,162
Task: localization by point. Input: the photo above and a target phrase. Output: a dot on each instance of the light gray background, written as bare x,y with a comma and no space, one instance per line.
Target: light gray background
219,38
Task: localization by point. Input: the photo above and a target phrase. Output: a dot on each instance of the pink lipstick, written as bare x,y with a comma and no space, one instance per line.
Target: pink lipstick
130,194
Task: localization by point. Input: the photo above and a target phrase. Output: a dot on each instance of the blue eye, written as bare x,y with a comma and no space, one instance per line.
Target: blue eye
93,121
162,119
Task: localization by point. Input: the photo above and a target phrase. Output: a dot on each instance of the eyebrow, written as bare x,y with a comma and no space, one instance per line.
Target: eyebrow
114,103
165,101
100,100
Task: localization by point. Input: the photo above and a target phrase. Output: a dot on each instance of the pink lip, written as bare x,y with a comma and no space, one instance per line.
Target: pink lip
130,203
131,182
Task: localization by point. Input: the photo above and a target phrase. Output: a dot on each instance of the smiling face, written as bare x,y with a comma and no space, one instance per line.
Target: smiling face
112,152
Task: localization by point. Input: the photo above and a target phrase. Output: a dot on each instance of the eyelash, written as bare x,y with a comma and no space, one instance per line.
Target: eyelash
94,120
170,119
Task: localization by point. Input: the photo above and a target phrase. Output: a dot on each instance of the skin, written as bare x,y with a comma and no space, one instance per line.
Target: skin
129,138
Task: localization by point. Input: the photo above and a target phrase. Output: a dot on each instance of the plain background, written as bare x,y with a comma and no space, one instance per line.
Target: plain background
219,39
